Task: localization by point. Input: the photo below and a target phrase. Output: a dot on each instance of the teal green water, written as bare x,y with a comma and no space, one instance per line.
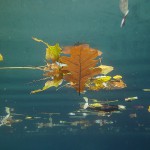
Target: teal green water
45,118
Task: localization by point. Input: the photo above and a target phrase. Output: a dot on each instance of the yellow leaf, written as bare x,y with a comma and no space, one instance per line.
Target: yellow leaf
106,69
103,78
52,52
48,84
98,83
117,77
1,57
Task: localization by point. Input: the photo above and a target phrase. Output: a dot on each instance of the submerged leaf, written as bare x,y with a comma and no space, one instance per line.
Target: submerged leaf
98,83
80,65
1,57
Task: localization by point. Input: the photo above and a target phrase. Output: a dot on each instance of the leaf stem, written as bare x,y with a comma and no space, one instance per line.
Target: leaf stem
35,68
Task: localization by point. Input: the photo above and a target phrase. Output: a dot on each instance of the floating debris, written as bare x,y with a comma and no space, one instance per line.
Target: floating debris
130,99
124,9
146,90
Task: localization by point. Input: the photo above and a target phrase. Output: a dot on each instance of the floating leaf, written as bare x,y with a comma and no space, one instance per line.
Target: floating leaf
67,49
124,9
124,6
48,84
1,57
117,77
115,84
105,69
98,83
52,52
81,65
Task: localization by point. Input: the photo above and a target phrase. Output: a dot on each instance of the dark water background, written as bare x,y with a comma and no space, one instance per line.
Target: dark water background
96,22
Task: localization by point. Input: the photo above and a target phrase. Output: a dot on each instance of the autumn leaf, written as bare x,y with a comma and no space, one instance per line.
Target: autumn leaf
80,65
98,83
105,69
1,57
67,49
52,52
117,77
48,84
115,84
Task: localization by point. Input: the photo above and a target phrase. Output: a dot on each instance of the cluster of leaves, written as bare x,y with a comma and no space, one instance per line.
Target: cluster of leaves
77,65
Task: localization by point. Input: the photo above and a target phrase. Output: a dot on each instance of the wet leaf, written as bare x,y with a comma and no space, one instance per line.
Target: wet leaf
115,84
105,69
80,65
53,52
98,83
117,77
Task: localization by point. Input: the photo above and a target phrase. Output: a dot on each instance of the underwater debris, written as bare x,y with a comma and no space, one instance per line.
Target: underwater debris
8,119
102,107
138,107
134,115
1,57
130,99
102,122
124,9
28,118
